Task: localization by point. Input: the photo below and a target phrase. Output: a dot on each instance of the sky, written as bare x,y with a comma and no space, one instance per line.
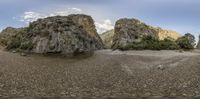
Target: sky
180,15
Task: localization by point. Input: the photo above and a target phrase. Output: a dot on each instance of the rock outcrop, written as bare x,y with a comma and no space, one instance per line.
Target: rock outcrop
198,45
132,31
60,34
107,38
163,33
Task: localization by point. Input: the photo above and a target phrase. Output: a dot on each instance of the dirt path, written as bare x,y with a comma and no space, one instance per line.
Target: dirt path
106,74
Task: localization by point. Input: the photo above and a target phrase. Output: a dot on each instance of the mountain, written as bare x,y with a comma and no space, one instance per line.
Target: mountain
132,30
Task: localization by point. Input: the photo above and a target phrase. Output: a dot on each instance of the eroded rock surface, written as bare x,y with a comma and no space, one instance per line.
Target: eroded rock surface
60,34
130,30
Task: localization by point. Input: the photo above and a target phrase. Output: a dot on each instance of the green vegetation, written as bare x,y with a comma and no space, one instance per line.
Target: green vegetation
19,41
169,44
186,42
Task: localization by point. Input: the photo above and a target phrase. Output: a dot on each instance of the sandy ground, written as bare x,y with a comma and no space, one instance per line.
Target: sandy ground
105,74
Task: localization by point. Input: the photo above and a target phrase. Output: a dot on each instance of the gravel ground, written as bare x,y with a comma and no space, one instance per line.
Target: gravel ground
107,73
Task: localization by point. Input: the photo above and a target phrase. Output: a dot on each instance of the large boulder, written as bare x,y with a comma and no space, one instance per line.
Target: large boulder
198,45
60,34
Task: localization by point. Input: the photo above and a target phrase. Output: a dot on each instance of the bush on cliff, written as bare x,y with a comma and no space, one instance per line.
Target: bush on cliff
152,43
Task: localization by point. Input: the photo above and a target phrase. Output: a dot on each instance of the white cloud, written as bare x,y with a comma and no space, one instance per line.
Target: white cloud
30,16
105,26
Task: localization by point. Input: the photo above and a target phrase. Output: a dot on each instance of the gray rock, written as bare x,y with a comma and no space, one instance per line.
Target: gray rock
23,54
160,67
60,34
128,31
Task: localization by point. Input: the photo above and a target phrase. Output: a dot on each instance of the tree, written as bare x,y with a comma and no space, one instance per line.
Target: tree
186,42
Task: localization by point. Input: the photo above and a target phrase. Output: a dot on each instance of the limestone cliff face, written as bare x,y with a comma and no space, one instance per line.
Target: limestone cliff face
60,34
107,38
162,34
130,30
198,45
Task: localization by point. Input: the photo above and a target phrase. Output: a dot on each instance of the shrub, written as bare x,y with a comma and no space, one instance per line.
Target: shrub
14,43
152,43
169,44
186,42
27,45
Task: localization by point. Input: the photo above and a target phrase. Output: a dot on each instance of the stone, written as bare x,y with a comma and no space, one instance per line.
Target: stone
14,51
65,35
198,45
23,54
160,67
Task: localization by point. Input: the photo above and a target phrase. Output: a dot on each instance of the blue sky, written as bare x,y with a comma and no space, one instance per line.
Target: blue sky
179,15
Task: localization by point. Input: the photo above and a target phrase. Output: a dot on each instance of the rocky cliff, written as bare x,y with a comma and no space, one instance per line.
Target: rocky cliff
163,33
132,30
60,34
198,45
107,38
